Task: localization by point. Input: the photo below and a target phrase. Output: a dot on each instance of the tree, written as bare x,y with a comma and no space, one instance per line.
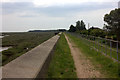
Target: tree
80,25
72,28
83,25
113,22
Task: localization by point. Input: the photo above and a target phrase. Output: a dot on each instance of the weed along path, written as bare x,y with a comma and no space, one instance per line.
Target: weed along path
84,68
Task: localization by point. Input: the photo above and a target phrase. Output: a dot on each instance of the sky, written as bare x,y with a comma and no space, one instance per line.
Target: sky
25,15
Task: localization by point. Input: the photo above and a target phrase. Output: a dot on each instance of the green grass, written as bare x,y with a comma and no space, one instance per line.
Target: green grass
62,65
105,65
21,43
104,47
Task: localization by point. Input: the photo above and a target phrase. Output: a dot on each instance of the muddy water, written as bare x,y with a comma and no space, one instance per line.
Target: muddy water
4,48
1,36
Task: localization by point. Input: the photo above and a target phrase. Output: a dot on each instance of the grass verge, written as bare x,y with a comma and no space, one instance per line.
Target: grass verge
62,65
105,65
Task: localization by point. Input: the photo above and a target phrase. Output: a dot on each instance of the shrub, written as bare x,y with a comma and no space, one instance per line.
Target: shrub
4,57
97,32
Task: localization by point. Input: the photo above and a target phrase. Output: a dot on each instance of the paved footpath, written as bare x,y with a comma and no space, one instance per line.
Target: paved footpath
29,64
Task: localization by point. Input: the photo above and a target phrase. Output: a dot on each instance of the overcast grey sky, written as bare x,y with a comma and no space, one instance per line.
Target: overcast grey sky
24,15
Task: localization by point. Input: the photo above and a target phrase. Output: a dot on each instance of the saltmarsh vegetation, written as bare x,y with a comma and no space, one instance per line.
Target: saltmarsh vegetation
62,64
106,66
21,43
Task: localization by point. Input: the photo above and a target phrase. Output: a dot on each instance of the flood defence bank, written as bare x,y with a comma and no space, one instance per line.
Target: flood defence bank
31,64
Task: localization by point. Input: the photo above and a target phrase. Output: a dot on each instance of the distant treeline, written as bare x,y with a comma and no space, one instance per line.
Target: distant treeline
110,30
59,30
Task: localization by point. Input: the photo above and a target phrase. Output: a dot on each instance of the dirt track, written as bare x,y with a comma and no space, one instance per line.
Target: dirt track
84,68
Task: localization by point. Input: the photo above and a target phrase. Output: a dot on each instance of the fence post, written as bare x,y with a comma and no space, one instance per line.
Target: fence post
96,44
110,49
117,52
106,46
101,45
94,41
89,41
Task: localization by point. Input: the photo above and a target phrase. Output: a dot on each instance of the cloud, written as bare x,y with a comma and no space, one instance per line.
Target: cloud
58,2
57,10
22,16
26,15
66,2
16,7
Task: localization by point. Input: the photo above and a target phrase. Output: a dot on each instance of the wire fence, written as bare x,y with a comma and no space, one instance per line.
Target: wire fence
107,47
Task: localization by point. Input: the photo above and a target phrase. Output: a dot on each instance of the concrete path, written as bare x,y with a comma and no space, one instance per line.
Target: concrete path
29,64
84,68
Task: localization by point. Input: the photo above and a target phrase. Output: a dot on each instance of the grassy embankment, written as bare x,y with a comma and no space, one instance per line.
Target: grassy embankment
104,47
105,65
21,43
62,65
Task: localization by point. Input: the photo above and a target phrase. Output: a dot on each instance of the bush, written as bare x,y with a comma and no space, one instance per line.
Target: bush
8,52
114,37
84,32
4,57
97,33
